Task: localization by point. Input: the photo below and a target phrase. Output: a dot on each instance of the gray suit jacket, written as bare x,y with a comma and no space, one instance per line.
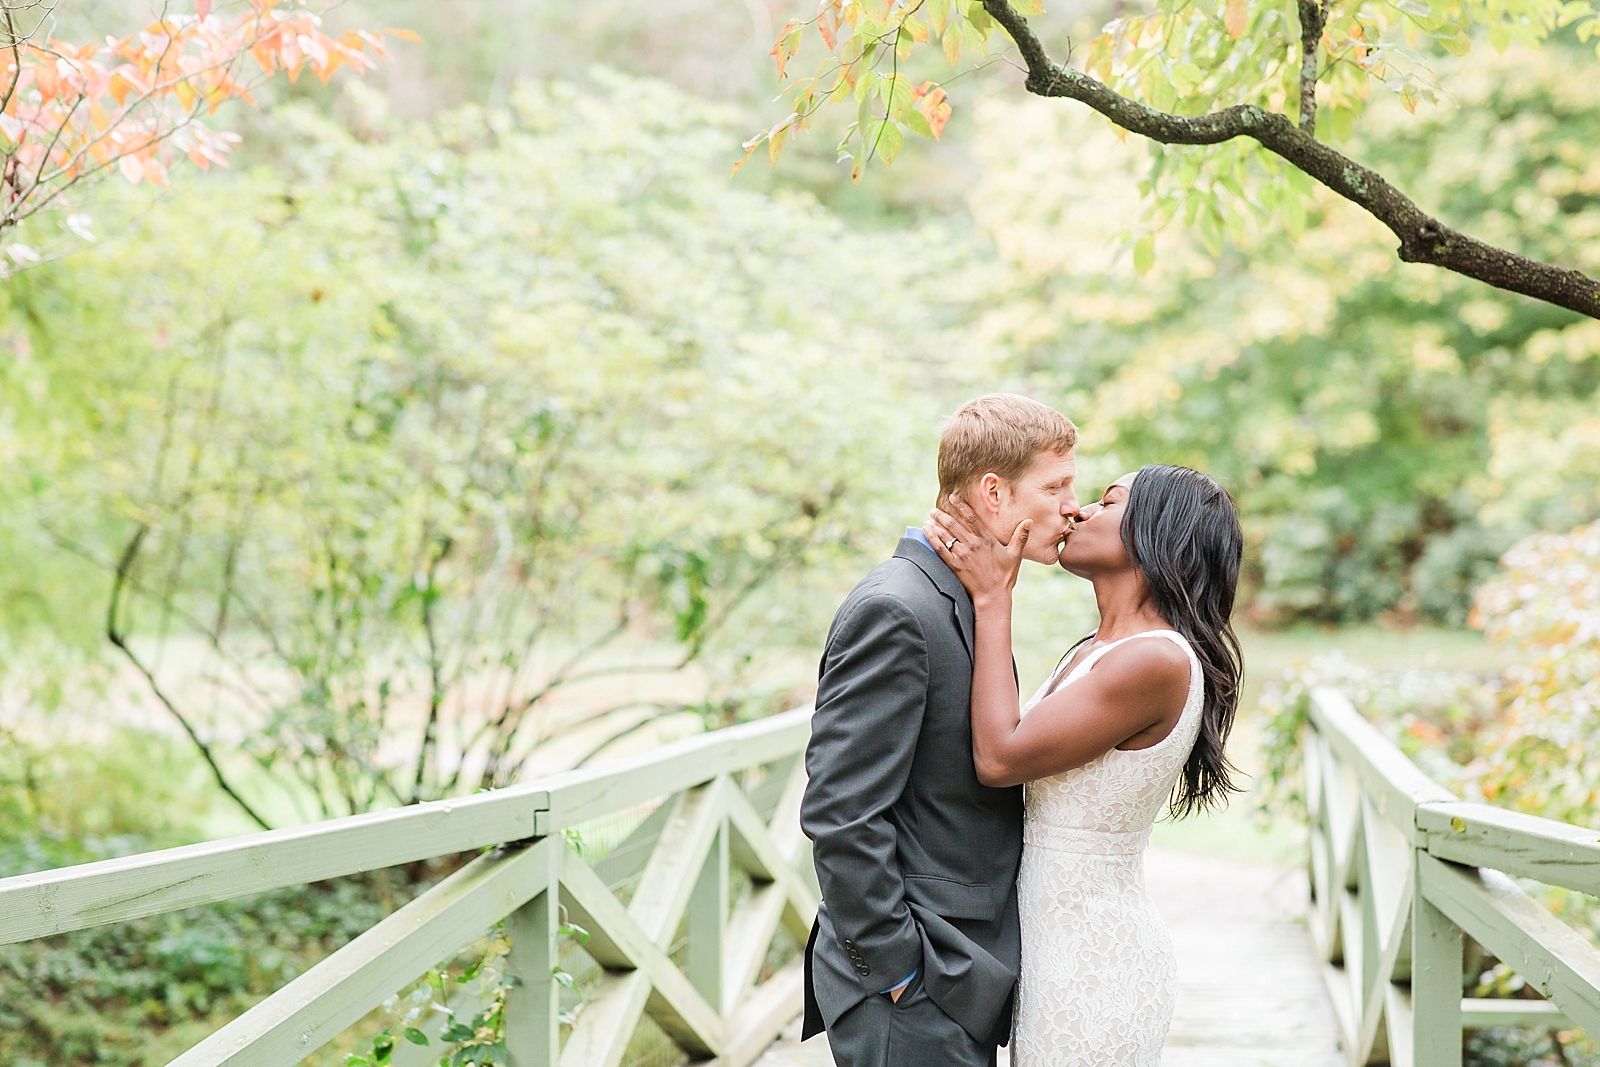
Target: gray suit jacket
917,860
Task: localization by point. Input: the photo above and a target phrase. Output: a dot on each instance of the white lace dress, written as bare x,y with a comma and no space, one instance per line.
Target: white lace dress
1098,974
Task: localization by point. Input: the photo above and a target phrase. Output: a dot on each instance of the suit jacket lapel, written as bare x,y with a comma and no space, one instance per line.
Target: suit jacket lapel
943,579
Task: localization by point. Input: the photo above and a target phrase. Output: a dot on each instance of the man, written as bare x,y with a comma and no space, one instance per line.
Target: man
915,951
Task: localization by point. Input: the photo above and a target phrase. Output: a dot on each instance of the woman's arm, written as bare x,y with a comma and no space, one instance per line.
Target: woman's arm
1134,689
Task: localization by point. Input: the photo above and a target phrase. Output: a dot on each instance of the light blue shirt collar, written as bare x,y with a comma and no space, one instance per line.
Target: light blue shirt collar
916,533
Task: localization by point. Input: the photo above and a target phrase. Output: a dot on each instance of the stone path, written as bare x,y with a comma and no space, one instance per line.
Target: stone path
1250,992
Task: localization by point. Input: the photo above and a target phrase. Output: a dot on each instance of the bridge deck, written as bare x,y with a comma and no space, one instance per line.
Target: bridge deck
1250,991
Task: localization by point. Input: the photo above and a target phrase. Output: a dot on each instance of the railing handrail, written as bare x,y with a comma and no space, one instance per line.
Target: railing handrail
1449,828
86,895
1402,871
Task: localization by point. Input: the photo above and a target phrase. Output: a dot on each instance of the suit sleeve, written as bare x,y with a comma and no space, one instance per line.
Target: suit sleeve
870,703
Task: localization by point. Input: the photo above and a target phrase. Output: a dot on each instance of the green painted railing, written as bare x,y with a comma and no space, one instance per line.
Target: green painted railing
1401,870
708,812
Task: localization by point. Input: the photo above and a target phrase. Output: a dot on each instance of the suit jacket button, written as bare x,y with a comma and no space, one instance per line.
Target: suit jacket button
864,970
848,943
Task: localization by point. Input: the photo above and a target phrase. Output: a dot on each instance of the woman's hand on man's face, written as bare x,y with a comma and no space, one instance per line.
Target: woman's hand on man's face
987,568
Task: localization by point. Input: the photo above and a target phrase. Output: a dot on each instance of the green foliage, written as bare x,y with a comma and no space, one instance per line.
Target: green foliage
1194,59
452,410
1387,430
1436,717
1523,738
1505,1047
1542,758
432,1004
66,802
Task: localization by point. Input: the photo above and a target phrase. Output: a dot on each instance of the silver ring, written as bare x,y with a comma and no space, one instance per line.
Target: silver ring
948,545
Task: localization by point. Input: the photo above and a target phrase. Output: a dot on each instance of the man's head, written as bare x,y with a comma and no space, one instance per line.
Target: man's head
1010,458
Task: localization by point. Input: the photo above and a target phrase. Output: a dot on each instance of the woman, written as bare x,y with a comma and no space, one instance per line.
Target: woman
1136,716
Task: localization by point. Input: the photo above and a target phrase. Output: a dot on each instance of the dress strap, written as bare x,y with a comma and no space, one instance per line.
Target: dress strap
1172,635
1094,657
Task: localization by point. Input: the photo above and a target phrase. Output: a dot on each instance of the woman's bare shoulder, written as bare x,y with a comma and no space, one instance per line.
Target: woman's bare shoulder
1145,660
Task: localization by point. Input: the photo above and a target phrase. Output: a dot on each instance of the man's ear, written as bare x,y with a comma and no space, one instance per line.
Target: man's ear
986,493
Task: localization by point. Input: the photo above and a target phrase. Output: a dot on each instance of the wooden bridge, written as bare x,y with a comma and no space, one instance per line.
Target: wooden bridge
655,908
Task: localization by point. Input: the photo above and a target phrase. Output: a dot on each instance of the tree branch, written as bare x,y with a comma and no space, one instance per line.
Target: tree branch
1423,238
116,636
1313,17
436,686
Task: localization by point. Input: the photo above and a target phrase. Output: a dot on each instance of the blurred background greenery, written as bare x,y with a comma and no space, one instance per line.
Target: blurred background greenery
476,424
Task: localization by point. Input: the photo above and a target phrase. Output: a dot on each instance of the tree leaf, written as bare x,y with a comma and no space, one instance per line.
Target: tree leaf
895,92
1235,17
828,26
952,45
1144,254
778,138
889,142
904,44
750,147
1186,77
934,107
787,44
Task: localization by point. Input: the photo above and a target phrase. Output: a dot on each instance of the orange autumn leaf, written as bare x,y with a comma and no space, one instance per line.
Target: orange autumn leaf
137,103
1235,18
934,104
828,25
787,44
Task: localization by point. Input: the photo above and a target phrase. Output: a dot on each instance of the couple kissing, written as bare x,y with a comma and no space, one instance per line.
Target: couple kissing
981,858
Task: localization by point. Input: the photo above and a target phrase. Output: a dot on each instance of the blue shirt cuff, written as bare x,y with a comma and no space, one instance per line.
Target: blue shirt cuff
902,985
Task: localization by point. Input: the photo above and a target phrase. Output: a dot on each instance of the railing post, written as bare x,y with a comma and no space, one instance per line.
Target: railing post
533,1003
1435,982
707,918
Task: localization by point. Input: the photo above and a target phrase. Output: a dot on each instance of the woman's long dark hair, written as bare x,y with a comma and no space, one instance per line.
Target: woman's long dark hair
1181,531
